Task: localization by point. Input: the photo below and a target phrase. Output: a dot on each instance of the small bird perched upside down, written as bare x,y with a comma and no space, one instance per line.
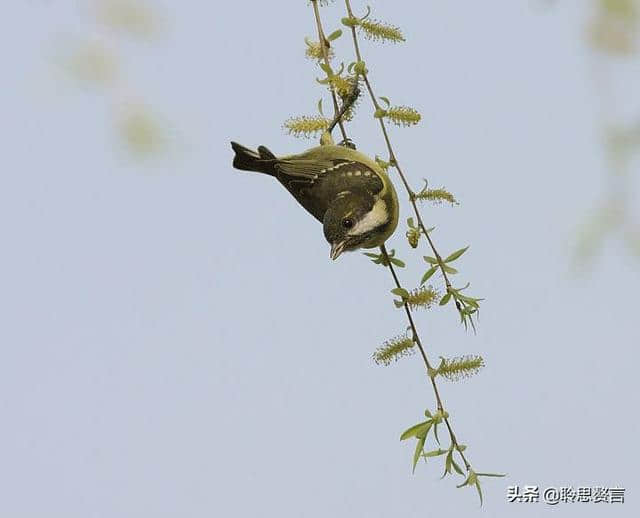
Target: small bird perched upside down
348,192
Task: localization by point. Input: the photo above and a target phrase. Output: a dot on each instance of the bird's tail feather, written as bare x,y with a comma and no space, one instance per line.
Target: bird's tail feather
262,161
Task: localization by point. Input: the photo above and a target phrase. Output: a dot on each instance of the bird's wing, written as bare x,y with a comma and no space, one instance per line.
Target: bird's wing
305,169
337,173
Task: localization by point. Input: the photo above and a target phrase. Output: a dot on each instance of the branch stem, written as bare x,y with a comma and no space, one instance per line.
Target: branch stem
412,198
393,159
418,342
324,45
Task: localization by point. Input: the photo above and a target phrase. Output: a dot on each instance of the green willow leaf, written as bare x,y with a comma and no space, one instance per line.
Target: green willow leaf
428,274
447,463
468,481
435,453
479,491
418,452
456,254
414,430
379,113
326,69
423,432
401,292
445,299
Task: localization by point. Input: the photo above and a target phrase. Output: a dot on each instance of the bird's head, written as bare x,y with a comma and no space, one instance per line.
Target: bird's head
354,220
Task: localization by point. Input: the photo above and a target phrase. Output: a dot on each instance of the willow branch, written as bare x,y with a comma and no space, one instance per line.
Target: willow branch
393,159
416,337
412,198
418,342
324,45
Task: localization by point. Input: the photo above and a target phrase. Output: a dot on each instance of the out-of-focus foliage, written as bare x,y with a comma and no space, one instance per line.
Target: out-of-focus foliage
613,36
615,26
134,17
141,132
95,63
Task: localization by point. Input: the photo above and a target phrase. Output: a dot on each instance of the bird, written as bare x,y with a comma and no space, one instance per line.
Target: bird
350,194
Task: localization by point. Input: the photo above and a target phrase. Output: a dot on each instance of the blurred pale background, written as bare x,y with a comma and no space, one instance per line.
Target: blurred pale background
175,340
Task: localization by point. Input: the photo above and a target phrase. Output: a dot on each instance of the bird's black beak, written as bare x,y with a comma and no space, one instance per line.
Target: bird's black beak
337,249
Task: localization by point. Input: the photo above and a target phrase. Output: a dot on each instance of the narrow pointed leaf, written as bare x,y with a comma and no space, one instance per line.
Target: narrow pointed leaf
445,299
479,491
435,453
411,432
418,452
429,273
423,432
326,68
401,292
465,483
447,463
456,254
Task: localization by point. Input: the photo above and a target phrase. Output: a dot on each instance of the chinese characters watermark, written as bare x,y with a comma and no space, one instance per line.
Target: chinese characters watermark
566,494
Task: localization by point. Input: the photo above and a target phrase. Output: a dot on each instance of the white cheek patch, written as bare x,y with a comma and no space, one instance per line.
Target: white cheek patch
374,218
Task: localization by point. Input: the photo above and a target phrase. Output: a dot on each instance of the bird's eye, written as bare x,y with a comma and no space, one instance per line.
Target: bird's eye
347,223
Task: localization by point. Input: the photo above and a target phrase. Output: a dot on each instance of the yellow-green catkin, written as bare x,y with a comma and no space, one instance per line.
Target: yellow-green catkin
306,126
314,51
347,90
460,367
422,298
380,31
403,116
437,196
394,349
413,236
343,86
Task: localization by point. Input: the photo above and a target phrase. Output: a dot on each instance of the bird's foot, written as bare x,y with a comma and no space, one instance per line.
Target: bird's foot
348,143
